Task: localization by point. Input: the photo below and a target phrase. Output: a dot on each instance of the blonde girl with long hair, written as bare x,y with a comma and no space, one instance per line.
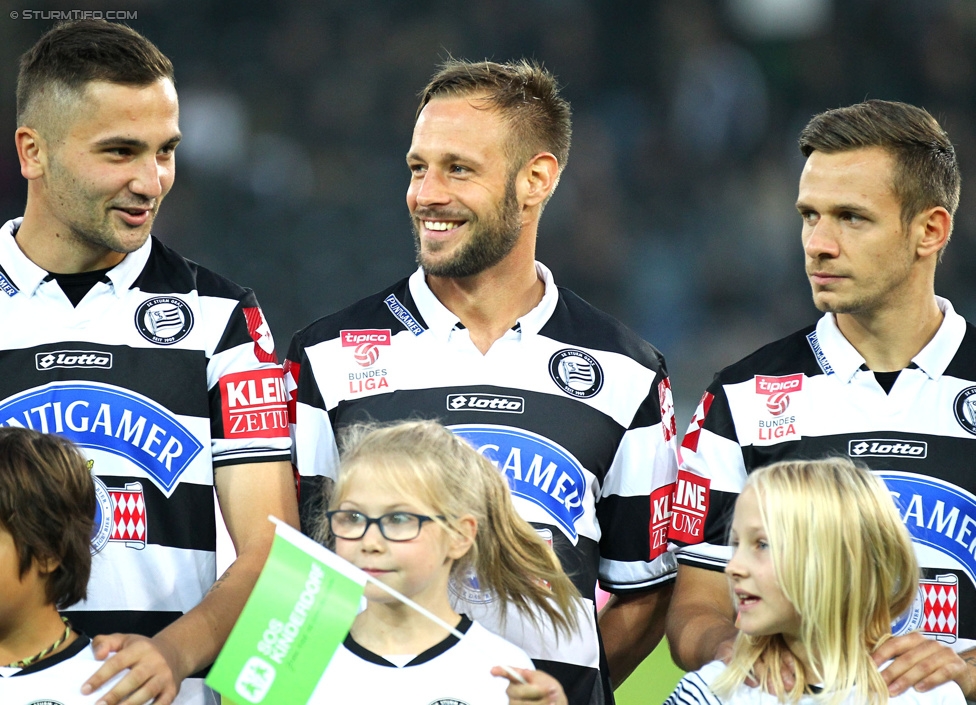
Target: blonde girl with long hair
415,506
822,566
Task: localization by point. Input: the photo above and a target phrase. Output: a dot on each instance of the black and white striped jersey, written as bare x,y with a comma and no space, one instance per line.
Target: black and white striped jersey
809,396
162,372
571,406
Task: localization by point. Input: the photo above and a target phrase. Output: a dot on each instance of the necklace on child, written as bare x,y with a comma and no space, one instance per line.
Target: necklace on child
24,663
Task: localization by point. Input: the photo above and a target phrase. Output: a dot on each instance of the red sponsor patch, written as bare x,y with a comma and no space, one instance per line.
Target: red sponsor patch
772,385
660,519
261,335
292,371
668,423
689,506
255,404
690,441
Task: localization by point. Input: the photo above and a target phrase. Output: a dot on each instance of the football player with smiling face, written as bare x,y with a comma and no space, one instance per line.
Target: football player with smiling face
537,370
97,131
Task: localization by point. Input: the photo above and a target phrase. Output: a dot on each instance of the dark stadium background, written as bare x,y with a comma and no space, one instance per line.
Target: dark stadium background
675,213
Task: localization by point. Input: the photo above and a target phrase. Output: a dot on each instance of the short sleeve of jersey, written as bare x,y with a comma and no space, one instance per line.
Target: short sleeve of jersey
248,399
633,507
711,475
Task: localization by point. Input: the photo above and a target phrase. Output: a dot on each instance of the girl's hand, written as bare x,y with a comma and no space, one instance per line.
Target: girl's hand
539,688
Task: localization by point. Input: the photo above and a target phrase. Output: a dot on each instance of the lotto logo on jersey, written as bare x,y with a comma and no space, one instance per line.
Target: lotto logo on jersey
689,507
366,342
887,448
101,416
485,402
660,520
73,359
120,516
537,470
255,404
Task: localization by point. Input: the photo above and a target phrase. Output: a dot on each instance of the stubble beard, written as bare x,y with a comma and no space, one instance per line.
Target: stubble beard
491,239
88,226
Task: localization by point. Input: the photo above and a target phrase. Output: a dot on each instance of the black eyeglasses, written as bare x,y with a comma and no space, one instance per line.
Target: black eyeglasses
395,526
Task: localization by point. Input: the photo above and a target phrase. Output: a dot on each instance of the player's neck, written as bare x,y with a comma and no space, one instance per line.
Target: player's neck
491,302
889,339
394,628
33,634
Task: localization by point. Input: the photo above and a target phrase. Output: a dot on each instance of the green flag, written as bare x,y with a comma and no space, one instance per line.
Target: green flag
302,606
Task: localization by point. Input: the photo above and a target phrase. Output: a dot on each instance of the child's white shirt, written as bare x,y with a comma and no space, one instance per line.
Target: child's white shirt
452,671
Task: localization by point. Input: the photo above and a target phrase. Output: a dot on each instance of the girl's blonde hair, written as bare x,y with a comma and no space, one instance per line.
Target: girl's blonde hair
426,463
845,561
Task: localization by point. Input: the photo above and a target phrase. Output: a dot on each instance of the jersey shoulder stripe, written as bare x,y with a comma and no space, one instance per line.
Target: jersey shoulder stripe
374,311
168,272
789,355
576,322
964,362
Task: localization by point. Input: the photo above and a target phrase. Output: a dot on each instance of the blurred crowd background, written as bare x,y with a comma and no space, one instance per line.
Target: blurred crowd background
675,213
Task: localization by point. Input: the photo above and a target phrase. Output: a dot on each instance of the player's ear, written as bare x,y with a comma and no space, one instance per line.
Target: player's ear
538,178
934,226
31,150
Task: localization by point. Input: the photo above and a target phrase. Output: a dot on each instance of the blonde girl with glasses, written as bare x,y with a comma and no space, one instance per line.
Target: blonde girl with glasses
414,506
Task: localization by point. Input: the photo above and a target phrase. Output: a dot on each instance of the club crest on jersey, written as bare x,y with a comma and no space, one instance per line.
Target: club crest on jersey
367,343
260,332
537,470
164,320
73,359
935,611
104,417
937,514
577,373
965,408
466,587
120,515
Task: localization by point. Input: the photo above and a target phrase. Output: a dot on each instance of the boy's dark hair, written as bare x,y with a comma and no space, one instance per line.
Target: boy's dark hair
47,504
525,94
926,170
72,54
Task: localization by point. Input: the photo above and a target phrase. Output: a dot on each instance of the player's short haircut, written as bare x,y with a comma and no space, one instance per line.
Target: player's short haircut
523,92
58,68
926,172
47,504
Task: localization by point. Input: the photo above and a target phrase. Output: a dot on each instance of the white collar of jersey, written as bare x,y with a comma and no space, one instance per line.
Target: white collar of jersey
28,277
933,359
441,321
